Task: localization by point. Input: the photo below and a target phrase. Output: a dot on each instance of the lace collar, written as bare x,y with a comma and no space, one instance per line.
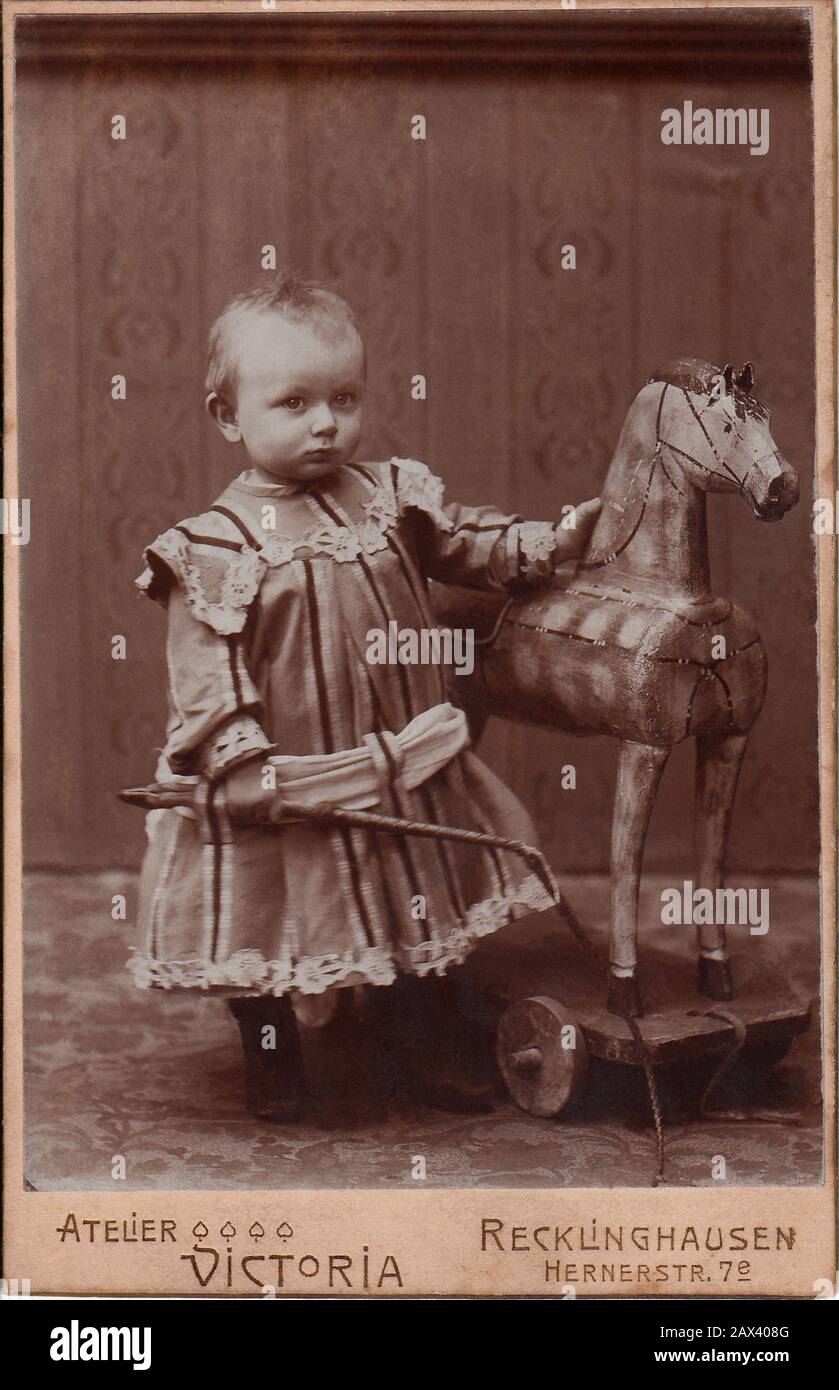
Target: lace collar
415,486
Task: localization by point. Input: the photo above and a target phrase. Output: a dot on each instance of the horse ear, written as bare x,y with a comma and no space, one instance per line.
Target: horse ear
728,376
745,378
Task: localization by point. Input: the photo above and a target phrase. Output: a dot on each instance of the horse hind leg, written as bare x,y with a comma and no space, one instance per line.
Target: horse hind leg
639,773
719,758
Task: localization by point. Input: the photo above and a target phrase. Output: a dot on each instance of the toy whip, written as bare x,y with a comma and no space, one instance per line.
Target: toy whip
167,796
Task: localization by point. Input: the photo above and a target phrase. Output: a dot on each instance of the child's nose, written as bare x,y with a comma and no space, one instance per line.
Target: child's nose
324,422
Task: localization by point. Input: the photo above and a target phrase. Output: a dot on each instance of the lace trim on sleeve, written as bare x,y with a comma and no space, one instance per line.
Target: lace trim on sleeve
537,541
417,486
218,588
236,742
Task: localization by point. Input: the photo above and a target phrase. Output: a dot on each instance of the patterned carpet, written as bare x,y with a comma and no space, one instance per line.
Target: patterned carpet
111,1070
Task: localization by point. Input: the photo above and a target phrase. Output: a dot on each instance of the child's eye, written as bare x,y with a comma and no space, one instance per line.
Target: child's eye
345,398
293,402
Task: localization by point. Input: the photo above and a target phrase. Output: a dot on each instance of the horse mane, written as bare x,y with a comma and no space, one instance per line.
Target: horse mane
690,373
696,375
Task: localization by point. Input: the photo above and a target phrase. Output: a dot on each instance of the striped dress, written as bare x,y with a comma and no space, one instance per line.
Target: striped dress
271,595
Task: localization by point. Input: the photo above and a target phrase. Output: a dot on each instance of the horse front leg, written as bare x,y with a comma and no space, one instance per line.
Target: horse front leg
719,758
639,772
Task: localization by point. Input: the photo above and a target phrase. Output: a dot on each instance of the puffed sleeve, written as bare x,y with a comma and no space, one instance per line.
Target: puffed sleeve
214,707
478,547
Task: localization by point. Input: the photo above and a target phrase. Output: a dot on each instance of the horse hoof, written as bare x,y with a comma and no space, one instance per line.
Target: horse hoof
715,979
624,996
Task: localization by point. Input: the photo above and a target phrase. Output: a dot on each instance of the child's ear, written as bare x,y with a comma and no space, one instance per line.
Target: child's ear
224,416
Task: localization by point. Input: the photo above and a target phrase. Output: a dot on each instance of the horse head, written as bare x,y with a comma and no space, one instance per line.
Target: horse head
709,423
692,429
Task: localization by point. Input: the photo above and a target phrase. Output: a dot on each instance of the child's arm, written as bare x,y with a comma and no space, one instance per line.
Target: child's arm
215,708
214,729
482,547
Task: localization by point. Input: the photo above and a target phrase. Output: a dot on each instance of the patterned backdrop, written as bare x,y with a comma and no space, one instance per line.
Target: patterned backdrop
450,250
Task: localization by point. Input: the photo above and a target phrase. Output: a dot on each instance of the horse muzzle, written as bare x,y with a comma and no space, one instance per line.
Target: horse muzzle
772,498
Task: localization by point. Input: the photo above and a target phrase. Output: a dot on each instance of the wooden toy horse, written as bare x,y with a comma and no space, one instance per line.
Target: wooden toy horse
636,645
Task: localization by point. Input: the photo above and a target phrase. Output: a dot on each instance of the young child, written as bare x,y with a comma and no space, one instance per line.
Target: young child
271,596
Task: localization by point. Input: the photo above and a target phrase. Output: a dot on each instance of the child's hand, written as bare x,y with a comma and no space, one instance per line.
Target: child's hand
247,799
571,541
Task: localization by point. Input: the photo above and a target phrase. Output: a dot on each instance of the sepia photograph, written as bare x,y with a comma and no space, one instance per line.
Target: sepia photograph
420,529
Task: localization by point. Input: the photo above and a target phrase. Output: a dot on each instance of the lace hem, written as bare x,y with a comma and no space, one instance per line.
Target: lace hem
377,965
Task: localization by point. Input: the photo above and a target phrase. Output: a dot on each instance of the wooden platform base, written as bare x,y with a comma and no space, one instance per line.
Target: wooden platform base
538,957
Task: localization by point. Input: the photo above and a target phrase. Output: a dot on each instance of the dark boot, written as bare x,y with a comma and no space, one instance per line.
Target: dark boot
442,1055
273,1075
343,1080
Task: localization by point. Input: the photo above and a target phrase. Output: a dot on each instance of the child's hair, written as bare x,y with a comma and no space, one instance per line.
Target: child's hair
286,293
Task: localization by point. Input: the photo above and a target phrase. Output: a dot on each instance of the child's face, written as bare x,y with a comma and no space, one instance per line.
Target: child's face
298,404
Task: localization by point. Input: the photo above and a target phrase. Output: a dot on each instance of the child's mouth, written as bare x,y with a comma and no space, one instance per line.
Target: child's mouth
321,455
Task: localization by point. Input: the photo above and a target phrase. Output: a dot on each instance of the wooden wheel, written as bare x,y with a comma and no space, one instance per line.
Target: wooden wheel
542,1055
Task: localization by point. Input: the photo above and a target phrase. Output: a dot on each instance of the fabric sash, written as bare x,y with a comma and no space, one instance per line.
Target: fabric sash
356,778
